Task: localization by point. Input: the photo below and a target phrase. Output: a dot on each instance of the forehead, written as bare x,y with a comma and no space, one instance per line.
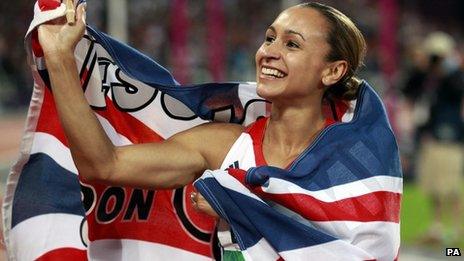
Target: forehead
306,21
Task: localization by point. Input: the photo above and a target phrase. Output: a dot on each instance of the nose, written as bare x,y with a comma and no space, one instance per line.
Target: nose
270,51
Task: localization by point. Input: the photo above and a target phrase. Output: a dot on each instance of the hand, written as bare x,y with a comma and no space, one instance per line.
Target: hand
200,204
57,36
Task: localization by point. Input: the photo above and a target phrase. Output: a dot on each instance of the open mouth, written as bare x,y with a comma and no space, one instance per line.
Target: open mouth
272,72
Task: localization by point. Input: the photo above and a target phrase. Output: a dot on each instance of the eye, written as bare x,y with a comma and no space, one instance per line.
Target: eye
292,44
269,39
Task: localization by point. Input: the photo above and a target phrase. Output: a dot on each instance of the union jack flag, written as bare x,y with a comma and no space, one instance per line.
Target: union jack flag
339,200
50,214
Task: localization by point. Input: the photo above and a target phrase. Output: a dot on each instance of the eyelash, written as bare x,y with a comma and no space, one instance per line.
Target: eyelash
290,44
269,39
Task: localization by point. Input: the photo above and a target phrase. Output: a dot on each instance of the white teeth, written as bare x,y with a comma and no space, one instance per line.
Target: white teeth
272,72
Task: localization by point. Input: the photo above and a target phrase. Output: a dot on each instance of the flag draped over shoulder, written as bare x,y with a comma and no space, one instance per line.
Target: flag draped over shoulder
49,214
339,200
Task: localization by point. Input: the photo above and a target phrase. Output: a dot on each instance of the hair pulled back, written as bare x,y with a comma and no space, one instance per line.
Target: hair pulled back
346,43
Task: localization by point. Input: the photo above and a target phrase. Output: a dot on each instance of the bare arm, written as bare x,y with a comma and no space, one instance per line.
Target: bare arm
170,164
174,162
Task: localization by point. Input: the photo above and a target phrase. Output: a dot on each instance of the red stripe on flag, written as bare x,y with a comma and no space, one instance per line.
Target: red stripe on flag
375,206
124,123
238,174
36,48
46,5
67,253
130,127
85,76
48,120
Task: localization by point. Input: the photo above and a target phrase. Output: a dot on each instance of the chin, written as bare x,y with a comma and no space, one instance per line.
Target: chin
261,90
266,92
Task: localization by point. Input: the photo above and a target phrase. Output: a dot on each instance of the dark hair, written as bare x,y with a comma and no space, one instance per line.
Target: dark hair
346,43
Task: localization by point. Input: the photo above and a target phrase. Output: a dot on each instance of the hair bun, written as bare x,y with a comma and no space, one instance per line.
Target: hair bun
345,90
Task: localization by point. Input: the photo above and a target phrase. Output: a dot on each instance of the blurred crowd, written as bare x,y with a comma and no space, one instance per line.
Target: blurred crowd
415,61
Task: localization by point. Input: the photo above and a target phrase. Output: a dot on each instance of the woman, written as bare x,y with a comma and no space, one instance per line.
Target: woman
311,51
295,66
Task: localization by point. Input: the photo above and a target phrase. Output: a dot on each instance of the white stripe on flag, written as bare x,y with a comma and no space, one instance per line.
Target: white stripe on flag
117,138
48,144
260,251
352,189
333,250
381,239
246,92
126,249
38,235
153,116
229,182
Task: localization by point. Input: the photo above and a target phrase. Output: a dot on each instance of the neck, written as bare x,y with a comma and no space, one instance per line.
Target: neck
292,128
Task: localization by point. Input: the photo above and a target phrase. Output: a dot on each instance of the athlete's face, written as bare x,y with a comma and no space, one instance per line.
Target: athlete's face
291,61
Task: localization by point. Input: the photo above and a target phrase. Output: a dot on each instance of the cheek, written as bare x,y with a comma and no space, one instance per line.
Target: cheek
301,68
312,65
259,54
307,72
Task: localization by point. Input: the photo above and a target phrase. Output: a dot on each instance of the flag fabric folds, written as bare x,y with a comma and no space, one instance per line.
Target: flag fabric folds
339,200
50,215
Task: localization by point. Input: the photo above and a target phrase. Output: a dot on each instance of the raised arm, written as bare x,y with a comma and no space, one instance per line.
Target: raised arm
170,164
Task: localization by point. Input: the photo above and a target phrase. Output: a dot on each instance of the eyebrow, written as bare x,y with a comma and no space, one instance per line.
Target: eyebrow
288,31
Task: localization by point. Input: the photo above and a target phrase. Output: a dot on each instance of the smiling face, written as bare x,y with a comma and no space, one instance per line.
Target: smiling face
291,62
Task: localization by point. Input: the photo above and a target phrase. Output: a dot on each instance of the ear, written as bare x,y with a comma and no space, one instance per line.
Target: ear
334,72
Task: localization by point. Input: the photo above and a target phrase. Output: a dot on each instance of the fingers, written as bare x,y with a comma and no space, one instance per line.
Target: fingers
70,12
80,21
59,36
80,17
200,204
194,200
81,13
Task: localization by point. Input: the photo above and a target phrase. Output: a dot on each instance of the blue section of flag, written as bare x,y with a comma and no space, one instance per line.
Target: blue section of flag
370,125
203,99
344,152
44,187
134,63
251,220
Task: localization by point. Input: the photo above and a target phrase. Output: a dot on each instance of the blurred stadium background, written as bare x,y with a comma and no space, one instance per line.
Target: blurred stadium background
215,40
